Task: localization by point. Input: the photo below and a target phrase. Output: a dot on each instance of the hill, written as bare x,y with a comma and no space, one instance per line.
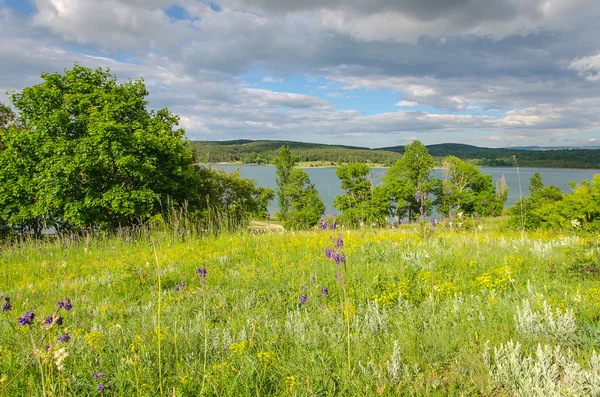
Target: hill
263,152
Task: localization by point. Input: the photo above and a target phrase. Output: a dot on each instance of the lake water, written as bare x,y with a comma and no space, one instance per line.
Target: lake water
328,184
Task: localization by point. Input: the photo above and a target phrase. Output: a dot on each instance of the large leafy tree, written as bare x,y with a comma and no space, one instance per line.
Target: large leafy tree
285,164
465,189
362,203
306,205
89,153
408,181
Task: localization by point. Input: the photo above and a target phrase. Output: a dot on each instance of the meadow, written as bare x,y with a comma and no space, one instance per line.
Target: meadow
409,311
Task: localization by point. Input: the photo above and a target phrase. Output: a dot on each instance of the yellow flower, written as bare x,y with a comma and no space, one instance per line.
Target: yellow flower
266,358
290,382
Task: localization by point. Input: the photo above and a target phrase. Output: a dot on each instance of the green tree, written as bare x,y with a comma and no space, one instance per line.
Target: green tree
465,189
306,205
285,164
408,181
87,153
535,183
362,202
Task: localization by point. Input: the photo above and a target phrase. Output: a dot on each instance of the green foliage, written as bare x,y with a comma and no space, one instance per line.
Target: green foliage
465,189
285,164
535,183
409,175
362,202
549,208
306,205
85,152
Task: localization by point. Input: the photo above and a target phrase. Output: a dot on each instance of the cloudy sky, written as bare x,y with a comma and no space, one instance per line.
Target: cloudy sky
371,73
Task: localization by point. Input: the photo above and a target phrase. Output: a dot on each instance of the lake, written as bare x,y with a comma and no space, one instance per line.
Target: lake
328,184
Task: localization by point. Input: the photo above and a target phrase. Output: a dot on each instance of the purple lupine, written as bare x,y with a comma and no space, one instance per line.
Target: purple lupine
65,304
64,338
101,388
304,287
329,252
323,224
7,306
324,292
179,287
202,273
27,318
434,223
303,299
99,375
339,258
339,242
332,225
49,320
418,196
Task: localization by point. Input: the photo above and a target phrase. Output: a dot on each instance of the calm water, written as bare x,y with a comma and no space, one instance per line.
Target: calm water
328,184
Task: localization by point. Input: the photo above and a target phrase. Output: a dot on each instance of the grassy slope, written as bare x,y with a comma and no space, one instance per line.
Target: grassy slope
260,341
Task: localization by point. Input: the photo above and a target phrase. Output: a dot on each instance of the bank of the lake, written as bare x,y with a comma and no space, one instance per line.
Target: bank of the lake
328,185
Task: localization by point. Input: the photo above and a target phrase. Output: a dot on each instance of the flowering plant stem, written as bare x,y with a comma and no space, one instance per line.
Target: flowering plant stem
37,357
158,330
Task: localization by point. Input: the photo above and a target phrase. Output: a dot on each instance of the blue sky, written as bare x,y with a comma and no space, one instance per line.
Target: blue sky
492,73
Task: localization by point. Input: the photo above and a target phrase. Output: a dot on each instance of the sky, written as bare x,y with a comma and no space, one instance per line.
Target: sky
377,73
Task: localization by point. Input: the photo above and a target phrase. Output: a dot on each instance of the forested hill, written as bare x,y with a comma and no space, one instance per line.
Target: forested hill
263,152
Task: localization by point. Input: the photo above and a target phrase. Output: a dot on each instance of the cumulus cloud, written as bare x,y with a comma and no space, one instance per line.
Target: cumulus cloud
504,68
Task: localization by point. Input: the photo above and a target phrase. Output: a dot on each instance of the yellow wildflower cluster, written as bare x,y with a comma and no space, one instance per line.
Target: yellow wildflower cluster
239,347
496,279
95,340
266,358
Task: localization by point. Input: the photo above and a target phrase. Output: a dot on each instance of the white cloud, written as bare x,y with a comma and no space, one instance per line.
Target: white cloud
587,67
407,103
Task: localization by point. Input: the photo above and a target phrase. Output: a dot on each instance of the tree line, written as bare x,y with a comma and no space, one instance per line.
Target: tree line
264,152
408,191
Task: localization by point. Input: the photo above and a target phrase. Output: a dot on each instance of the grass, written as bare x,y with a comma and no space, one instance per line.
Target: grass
419,312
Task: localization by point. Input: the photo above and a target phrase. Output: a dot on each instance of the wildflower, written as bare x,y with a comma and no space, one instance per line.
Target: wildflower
332,225
433,223
7,306
202,273
99,375
323,224
339,243
303,299
64,338
324,292
313,279
418,196
329,252
59,357
65,304
101,388
179,287
49,320
339,258
27,318
47,347
421,209
304,287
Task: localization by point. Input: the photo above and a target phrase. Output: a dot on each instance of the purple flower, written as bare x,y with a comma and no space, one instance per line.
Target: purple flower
202,273
27,318
64,338
313,279
324,292
329,252
339,258
179,287
339,243
303,299
418,196
65,304
99,375
332,225
433,223
59,321
7,306
304,287
100,388
421,209
323,224
47,347
49,320
425,195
